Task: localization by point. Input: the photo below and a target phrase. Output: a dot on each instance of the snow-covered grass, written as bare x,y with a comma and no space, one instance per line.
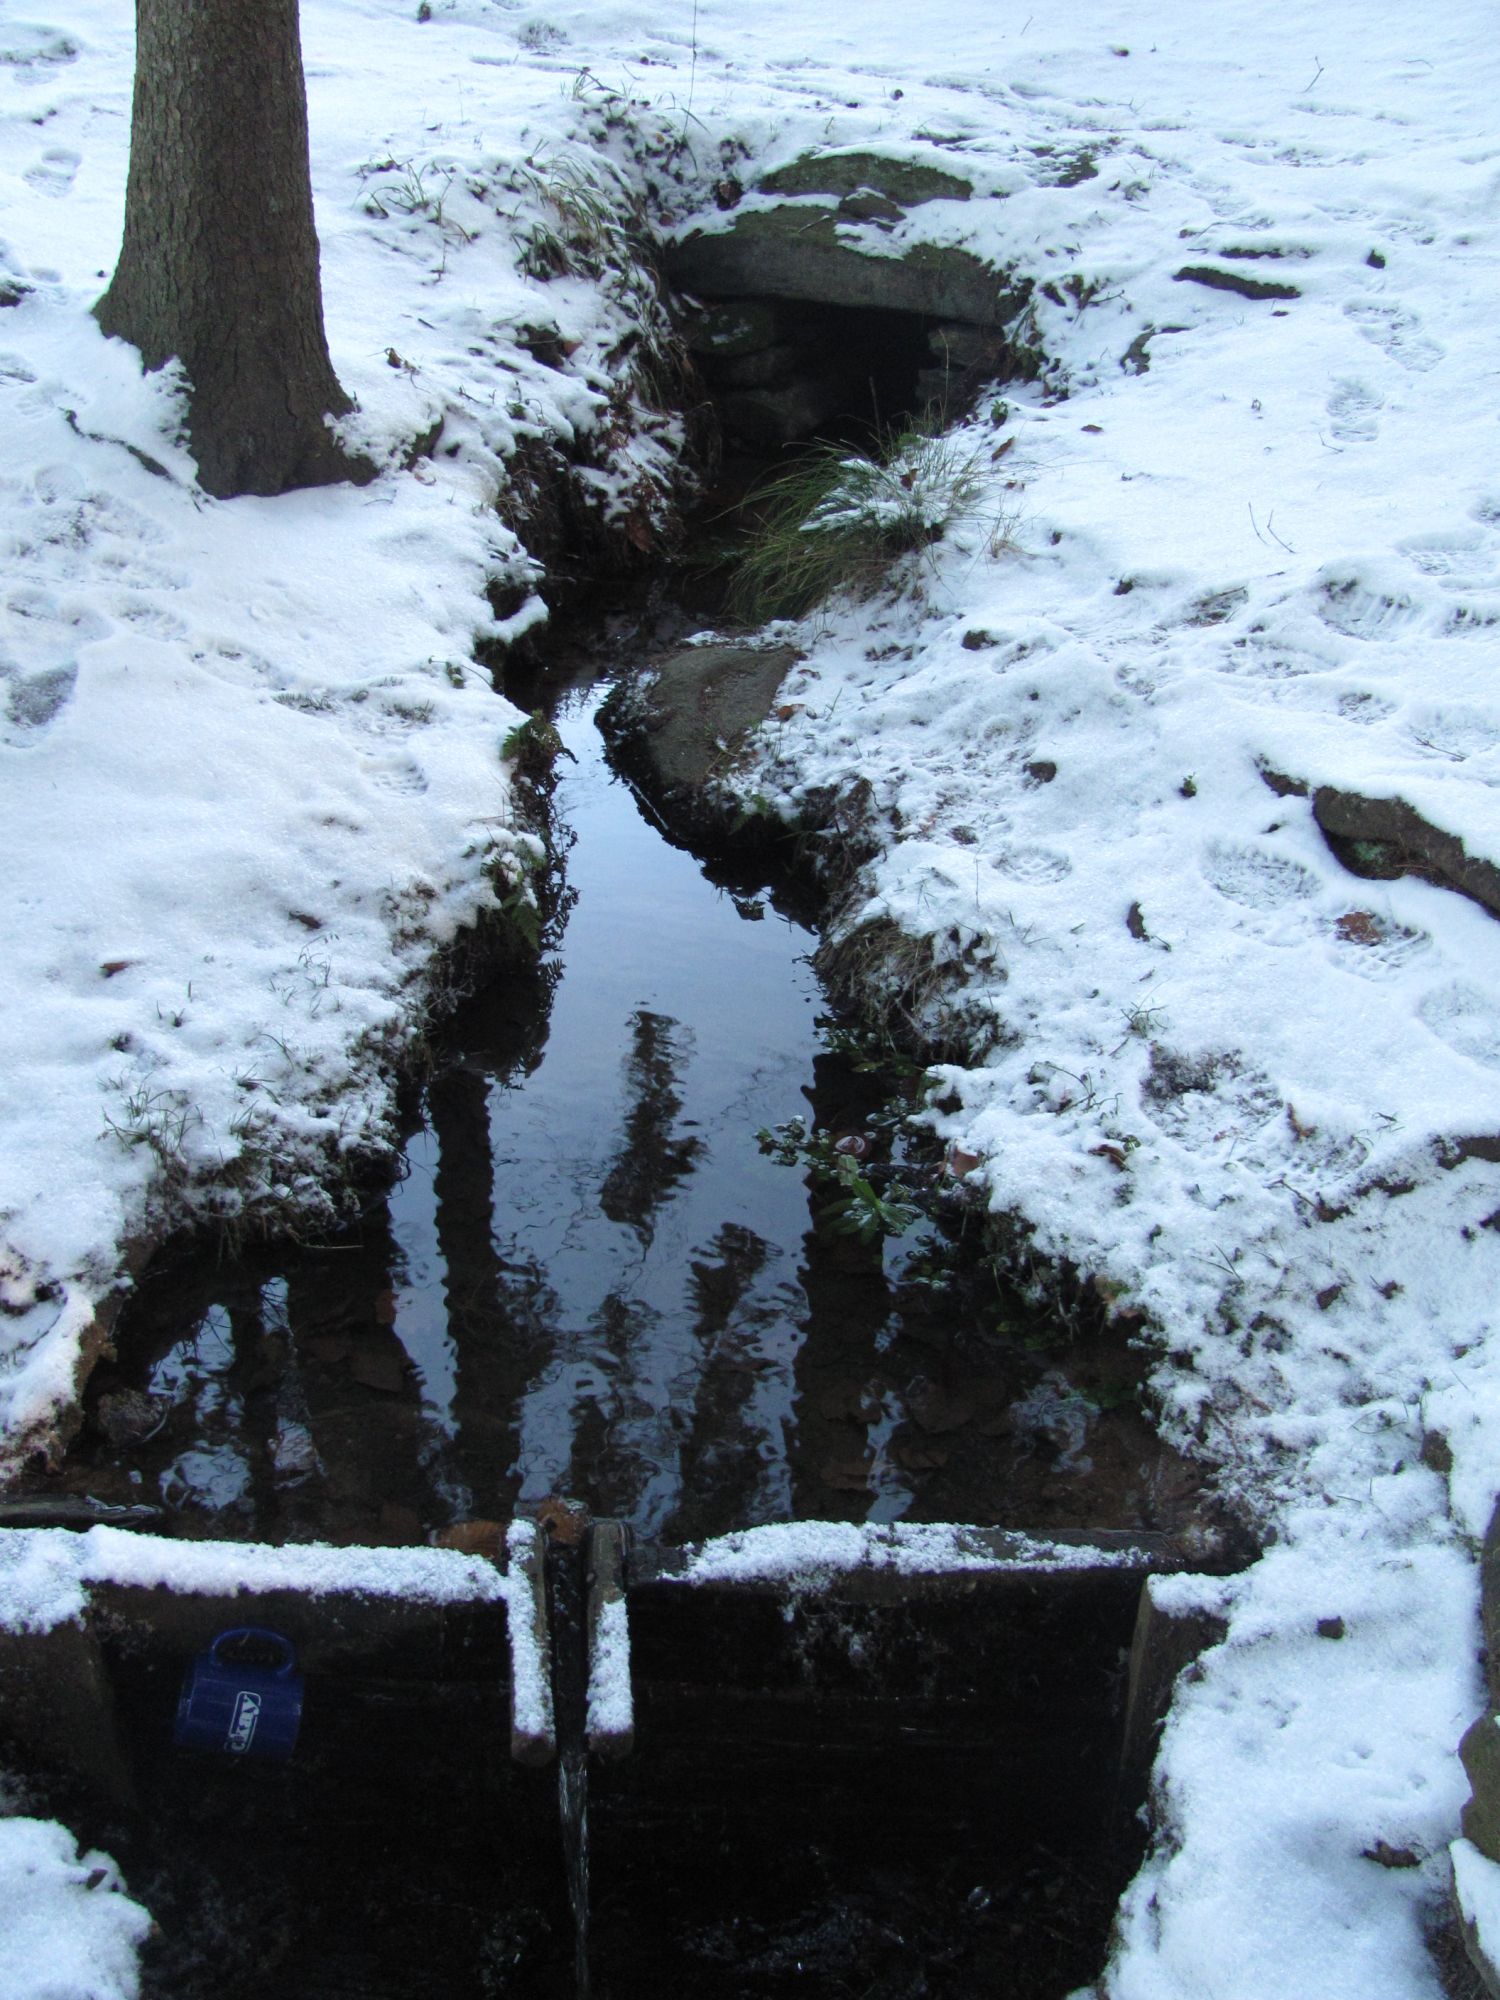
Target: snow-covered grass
250,779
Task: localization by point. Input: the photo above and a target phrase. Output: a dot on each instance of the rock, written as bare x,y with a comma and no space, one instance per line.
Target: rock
814,254
1480,1751
957,345
1475,1903
1411,845
865,205
908,183
768,367
934,1411
690,719
735,326
129,1416
766,419
934,385
382,1368
1234,281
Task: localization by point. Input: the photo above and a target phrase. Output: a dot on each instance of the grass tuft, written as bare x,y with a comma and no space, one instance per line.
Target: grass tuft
837,520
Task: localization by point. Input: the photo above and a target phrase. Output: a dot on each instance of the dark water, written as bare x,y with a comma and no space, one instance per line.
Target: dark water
591,1280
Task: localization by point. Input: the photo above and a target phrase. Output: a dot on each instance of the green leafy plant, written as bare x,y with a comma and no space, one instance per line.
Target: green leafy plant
533,747
839,519
856,1205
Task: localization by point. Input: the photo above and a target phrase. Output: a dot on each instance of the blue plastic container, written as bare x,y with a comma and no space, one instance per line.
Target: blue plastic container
242,1706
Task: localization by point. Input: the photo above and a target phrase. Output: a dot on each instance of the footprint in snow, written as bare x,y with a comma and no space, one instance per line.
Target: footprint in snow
1268,660
1359,705
150,620
1256,878
1373,945
1466,1018
1396,333
1031,864
47,632
397,774
1462,557
33,702
55,172
34,48
1454,733
1350,606
1351,411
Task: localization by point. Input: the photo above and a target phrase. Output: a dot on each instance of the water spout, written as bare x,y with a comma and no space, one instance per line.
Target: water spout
573,1812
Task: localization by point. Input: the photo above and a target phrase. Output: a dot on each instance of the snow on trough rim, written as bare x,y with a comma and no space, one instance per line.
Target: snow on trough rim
249,779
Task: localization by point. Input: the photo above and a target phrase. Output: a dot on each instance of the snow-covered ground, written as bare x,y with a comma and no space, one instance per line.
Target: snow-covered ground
251,779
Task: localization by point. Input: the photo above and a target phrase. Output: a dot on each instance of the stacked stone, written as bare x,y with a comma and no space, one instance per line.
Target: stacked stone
781,290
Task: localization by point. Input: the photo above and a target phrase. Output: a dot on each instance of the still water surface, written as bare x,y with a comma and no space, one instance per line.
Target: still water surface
592,1281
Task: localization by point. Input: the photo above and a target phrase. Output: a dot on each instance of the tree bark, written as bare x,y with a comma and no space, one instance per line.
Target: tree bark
219,264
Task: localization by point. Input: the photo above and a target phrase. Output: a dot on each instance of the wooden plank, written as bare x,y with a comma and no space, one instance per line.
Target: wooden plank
611,1707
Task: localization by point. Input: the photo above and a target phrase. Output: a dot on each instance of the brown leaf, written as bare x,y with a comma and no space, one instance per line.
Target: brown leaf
1359,927
566,1521
1392,1857
473,1538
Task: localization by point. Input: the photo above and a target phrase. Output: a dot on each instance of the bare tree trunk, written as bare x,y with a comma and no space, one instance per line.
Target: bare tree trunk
219,264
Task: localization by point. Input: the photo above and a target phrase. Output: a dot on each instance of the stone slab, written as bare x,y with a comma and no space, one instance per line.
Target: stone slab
906,182
809,252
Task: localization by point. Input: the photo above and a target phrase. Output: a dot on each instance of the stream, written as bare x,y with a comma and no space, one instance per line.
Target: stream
592,1280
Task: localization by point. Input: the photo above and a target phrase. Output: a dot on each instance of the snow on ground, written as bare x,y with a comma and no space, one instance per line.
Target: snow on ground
69,1928
250,779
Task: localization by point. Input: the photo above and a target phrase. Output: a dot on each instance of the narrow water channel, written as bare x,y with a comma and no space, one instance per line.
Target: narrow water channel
593,1281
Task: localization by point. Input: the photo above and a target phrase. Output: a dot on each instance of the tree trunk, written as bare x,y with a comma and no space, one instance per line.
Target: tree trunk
219,264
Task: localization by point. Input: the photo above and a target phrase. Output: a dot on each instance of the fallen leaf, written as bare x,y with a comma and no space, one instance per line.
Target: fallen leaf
1359,927
473,1538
